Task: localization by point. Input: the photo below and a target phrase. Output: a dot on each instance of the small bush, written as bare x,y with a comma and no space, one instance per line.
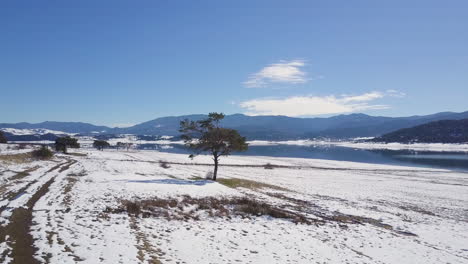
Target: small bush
43,153
22,146
163,164
133,208
209,175
268,166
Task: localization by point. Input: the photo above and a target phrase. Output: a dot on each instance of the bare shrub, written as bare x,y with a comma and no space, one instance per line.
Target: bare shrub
164,164
268,166
209,175
174,209
133,208
22,146
43,153
78,174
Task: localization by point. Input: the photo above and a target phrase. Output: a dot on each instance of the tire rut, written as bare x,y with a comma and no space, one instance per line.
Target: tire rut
17,231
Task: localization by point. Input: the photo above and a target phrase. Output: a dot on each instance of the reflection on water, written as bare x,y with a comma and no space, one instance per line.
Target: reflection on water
435,156
448,160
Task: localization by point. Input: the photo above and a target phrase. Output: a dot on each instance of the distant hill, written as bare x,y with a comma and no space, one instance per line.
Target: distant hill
13,137
262,127
285,128
443,131
69,127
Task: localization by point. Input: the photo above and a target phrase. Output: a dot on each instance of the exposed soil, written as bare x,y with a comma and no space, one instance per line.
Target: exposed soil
18,229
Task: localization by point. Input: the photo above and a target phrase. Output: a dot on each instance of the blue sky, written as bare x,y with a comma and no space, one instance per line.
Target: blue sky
125,62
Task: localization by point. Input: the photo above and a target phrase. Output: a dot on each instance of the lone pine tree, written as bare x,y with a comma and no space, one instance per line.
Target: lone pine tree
207,136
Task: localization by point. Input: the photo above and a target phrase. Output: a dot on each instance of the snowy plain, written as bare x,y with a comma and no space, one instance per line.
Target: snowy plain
360,213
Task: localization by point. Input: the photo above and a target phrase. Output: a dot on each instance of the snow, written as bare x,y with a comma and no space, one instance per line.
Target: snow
431,203
36,131
439,147
14,149
400,146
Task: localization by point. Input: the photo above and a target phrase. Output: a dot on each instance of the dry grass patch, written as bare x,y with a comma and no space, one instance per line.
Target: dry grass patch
196,178
78,174
146,251
189,208
22,174
77,154
417,209
248,184
341,219
17,158
71,181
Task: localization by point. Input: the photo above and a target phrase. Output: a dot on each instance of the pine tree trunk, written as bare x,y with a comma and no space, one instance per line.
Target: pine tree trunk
215,173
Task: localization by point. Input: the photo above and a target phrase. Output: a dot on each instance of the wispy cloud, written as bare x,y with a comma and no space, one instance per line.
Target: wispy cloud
315,105
362,98
395,93
282,72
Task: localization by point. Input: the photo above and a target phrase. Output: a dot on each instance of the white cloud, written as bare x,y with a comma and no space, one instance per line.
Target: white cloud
281,72
313,105
395,93
363,97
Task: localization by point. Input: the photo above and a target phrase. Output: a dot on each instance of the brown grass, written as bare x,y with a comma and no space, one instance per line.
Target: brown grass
71,181
143,245
22,174
17,158
77,154
337,217
173,209
416,209
78,174
248,184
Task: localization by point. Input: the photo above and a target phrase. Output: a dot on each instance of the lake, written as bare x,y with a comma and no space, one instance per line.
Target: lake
446,160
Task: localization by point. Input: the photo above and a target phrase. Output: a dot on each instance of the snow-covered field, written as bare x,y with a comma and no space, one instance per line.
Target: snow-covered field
72,209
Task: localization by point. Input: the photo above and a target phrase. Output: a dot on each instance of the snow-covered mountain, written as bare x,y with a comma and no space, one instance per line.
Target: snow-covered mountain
33,131
254,127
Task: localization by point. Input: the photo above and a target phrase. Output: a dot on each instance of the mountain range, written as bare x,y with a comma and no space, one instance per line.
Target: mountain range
262,127
443,131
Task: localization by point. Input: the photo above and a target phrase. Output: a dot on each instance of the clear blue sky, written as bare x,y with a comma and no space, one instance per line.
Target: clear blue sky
124,62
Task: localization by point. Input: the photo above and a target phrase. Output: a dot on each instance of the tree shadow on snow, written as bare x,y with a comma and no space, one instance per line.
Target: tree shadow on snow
173,181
